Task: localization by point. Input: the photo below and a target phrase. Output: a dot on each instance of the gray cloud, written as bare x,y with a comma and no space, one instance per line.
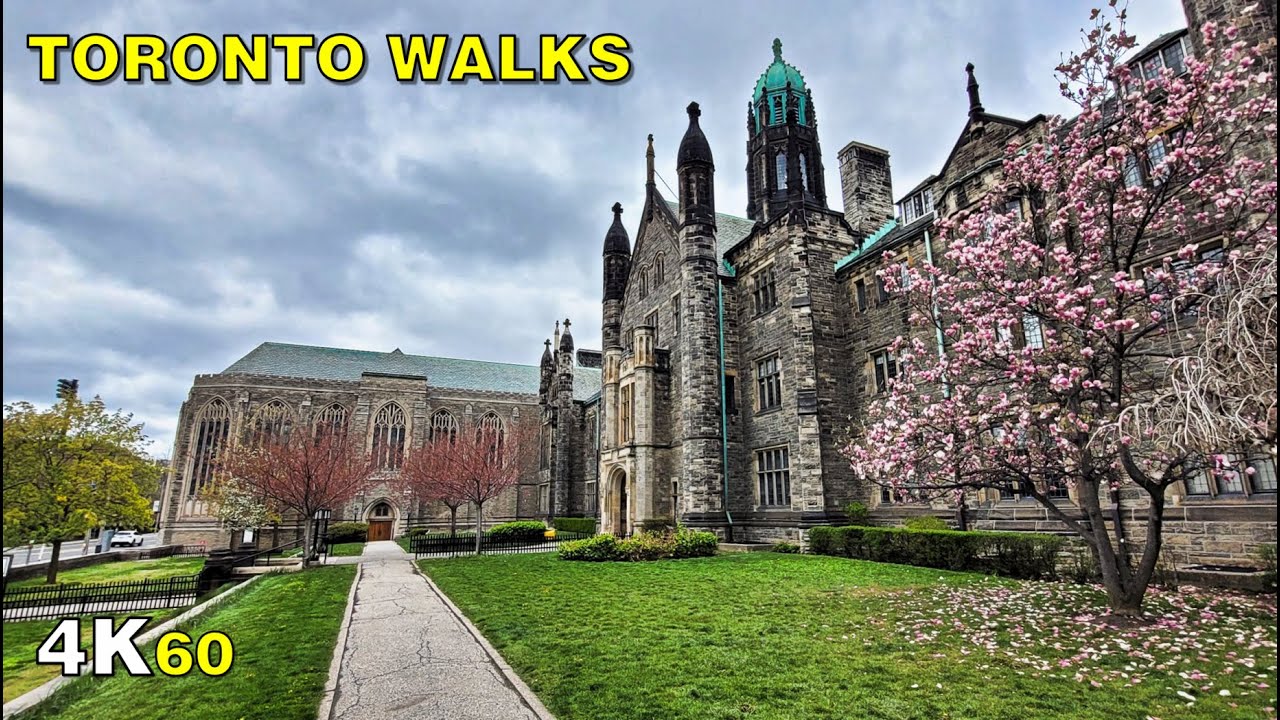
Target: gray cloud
158,231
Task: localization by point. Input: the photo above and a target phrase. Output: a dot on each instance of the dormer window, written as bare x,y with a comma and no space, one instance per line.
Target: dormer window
916,206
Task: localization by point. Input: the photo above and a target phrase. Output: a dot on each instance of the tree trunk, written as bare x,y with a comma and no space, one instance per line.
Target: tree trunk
453,521
1113,574
51,575
479,526
306,544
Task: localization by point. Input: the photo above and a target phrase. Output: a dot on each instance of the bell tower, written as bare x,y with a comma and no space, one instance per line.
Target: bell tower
784,159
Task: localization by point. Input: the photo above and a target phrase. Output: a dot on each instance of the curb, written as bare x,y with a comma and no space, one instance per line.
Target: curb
325,710
527,695
34,697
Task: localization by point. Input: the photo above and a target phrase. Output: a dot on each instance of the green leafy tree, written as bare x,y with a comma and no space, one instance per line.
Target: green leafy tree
72,468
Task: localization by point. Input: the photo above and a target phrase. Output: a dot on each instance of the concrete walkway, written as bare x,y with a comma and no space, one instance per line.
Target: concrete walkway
408,655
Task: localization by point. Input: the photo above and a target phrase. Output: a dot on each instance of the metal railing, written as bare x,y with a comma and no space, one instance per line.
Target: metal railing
52,601
263,557
445,545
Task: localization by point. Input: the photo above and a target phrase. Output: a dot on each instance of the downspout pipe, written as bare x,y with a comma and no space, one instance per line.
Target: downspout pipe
724,407
937,329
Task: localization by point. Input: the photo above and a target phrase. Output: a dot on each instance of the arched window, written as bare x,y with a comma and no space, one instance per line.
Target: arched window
777,116
644,281
659,270
209,435
271,423
489,429
780,170
388,437
804,172
331,421
382,510
443,425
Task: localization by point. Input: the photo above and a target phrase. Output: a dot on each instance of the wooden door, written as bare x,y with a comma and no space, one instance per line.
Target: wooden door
379,530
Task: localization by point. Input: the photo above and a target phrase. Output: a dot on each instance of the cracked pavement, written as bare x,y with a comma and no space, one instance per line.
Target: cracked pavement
408,656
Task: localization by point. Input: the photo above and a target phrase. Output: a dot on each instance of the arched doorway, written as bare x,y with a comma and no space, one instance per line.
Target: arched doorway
619,503
381,516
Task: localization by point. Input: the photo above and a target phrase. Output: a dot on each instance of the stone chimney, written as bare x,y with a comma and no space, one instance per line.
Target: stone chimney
867,185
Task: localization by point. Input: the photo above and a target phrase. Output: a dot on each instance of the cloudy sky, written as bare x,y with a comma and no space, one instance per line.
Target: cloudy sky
154,232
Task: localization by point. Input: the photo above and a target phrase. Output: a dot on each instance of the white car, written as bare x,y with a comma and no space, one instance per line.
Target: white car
127,538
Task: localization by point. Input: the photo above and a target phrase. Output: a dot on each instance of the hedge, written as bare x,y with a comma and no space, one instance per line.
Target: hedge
345,532
1011,554
586,526
645,546
518,531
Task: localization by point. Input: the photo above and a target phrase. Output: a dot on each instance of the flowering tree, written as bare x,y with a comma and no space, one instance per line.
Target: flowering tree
237,505
425,475
1065,328
476,465
300,473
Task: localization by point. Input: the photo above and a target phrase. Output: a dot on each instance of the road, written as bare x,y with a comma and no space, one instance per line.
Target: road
70,549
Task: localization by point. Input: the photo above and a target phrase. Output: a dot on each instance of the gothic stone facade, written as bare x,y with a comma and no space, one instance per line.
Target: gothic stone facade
393,400
737,351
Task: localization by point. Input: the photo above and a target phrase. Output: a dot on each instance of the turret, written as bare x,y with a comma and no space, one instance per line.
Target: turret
701,461
696,171
784,158
617,268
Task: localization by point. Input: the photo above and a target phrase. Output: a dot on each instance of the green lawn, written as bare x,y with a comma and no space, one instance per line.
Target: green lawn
766,635
283,629
22,639
347,549
122,571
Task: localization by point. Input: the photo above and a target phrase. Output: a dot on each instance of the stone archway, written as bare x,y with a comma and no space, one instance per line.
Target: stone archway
383,517
618,503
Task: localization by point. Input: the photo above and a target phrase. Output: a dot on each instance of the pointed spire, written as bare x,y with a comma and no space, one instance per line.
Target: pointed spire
557,336
566,339
616,240
694,147
975,102
546,352
648,166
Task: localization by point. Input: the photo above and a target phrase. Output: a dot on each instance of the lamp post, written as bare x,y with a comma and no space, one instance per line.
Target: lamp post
320,529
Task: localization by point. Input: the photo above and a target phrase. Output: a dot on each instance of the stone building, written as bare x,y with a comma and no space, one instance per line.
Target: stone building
737,351
394,400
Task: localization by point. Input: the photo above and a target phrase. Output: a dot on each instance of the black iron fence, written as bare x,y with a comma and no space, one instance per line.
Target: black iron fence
185,551
53,601
446,545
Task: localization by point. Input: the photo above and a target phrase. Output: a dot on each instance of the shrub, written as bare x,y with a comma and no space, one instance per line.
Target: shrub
1012,554
345,532
644,546
858,513
593,549
586,526
789,548
694,543
519,531
647,546
928,522
1267,556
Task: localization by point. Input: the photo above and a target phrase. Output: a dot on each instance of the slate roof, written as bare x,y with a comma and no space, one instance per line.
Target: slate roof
325,363
730,229
888,234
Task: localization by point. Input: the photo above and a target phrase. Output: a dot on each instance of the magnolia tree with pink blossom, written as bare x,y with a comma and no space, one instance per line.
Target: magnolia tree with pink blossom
1074,332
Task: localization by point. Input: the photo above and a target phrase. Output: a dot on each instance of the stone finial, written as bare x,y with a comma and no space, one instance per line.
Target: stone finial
617,208
694,111
648,162
617,211
777,49
975,102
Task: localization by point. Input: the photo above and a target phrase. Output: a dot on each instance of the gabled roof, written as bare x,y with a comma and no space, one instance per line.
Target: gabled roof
1151,47
888,234
326,363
